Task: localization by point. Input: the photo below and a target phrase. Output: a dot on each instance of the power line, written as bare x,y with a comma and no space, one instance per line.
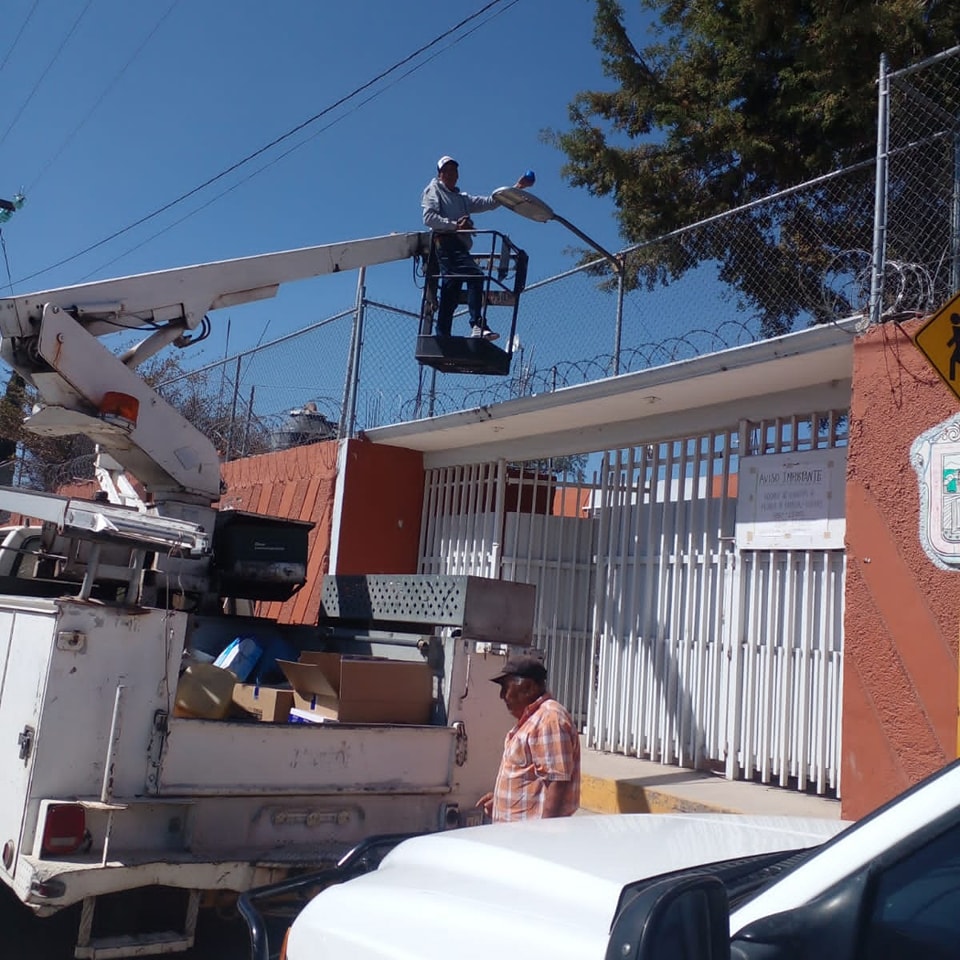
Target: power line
291,149
296,146
46,70
3,246
16,39
278,140
106,90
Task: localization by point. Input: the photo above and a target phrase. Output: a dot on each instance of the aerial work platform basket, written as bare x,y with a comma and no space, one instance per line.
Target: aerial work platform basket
503,275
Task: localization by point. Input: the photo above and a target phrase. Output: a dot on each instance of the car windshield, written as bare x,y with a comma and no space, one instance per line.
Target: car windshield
742,876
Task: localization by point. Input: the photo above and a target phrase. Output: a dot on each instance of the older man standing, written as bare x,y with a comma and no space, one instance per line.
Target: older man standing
539,773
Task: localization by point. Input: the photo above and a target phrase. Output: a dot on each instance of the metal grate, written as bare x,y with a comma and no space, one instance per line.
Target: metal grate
483,609
407,599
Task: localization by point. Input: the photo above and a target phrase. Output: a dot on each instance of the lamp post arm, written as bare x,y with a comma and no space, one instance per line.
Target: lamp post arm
615,261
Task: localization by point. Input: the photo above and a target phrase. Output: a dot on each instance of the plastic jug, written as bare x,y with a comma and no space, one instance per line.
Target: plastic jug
240,657
205,692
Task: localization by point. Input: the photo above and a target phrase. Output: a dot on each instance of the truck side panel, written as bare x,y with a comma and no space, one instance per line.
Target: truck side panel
102,649
205,804
205,757
25,642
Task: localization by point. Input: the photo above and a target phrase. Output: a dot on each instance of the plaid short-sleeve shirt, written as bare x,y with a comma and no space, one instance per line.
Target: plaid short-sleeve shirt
544,745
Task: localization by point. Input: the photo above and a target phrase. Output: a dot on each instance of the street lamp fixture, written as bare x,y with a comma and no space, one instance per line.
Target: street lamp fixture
533,208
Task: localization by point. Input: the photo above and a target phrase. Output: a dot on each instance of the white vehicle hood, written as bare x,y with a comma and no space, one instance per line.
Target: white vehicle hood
478,892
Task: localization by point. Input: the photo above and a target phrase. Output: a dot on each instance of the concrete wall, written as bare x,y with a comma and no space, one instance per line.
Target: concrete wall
902,612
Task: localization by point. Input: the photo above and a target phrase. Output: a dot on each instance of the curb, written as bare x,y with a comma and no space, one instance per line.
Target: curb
604,795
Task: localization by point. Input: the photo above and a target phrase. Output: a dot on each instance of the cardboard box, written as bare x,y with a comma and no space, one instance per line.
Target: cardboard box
269,704
360,689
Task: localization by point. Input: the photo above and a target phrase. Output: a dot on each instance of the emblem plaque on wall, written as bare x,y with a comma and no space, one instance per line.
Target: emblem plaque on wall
935,455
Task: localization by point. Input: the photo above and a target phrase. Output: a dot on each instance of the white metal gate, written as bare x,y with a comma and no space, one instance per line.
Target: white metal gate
663,639
522,523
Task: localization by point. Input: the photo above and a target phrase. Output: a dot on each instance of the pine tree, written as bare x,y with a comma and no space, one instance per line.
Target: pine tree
735,100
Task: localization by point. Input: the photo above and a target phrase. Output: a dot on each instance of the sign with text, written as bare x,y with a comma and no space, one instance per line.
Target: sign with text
792,501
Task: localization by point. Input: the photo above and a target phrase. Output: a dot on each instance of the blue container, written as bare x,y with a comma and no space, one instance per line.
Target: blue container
240,657
275,648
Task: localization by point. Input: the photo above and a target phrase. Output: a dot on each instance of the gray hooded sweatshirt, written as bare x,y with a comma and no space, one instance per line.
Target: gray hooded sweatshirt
442,208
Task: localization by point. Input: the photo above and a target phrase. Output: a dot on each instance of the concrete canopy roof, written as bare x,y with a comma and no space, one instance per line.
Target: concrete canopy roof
798,373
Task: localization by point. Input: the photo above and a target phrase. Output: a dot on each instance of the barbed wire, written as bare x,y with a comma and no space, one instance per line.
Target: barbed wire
908,287
797,269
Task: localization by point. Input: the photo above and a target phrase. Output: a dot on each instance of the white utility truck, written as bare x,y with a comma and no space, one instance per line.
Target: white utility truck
105,791
654,887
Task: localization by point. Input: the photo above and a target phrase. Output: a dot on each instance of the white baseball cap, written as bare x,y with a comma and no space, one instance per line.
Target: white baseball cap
443,161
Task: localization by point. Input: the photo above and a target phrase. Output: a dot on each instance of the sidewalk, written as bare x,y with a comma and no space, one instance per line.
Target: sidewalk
612,783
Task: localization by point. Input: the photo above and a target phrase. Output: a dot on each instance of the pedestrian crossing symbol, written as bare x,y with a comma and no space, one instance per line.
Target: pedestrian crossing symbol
939,341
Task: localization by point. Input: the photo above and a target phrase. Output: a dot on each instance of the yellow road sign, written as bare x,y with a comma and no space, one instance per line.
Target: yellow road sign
939,341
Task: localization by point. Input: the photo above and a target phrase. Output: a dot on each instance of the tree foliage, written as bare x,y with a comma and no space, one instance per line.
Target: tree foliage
731,102
11,417
207,401
38,462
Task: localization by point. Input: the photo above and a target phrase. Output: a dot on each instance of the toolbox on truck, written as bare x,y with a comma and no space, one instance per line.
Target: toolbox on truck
258,557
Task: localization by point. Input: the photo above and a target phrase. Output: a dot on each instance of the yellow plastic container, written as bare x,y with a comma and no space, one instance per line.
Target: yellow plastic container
204,692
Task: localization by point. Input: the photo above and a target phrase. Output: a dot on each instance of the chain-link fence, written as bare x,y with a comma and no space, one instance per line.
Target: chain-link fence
270,397
880,240
918,195
798,258
803,256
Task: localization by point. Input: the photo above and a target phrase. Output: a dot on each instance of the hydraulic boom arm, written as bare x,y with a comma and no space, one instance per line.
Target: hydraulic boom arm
49,338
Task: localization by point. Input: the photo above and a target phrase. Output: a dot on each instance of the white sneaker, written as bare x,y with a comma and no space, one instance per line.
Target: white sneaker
485,332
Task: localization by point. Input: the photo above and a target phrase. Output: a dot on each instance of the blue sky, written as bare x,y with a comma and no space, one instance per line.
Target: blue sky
110,109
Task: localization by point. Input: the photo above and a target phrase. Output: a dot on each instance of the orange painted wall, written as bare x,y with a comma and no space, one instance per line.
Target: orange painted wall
380,512
299,484
902,612
572,501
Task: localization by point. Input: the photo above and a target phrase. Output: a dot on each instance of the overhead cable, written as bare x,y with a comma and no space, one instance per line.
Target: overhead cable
296,146
46,70
106,90
16,39
277,140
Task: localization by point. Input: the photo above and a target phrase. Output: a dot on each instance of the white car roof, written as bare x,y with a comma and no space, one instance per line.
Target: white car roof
469,893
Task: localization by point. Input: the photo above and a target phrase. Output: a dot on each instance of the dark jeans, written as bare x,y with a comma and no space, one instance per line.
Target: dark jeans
458,267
